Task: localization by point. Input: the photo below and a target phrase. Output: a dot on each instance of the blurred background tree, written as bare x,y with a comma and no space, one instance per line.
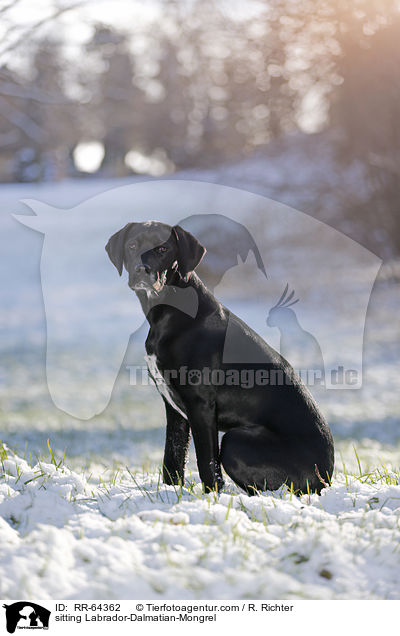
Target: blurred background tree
114,98
202,83
366,106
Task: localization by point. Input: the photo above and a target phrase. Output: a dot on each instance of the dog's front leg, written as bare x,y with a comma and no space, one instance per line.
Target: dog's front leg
205,436
176,446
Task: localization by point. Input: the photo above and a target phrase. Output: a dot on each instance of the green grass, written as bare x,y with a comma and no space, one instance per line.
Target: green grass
154,490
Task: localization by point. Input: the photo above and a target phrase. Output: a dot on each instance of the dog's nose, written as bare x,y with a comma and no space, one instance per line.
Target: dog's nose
142,268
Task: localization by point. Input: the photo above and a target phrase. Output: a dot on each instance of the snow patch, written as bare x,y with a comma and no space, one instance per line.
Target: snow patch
65,535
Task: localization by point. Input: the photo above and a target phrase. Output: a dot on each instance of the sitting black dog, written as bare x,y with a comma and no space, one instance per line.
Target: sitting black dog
274,431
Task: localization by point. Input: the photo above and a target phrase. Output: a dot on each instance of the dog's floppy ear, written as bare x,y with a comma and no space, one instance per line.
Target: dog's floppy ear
115,247
190,251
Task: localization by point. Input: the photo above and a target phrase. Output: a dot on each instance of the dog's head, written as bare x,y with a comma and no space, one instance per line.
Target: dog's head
152,252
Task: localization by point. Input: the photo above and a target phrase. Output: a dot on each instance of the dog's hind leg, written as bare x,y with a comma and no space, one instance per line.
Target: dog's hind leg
257,460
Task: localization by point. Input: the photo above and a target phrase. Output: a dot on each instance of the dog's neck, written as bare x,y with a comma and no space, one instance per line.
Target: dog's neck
182,294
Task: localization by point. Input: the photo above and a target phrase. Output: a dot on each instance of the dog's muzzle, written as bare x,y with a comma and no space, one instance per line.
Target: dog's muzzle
144,279
141,278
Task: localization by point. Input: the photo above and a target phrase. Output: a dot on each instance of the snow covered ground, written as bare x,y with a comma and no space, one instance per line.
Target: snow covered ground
100,524
124,535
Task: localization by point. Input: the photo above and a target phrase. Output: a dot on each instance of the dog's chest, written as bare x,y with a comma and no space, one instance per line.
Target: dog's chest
161,384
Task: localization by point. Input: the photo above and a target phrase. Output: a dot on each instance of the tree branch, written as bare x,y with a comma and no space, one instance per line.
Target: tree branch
34,27
13,89
21,121
8,6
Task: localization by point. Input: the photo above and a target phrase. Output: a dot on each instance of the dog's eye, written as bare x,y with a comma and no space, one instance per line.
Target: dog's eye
132,246
161,249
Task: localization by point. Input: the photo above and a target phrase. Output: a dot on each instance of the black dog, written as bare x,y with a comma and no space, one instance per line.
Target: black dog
274,432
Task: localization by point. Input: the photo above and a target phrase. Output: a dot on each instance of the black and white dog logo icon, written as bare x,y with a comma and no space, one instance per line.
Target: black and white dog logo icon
26,615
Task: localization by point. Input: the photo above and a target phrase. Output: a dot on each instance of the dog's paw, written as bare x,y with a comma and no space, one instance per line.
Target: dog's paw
220,484
216,486
172,478
214,480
